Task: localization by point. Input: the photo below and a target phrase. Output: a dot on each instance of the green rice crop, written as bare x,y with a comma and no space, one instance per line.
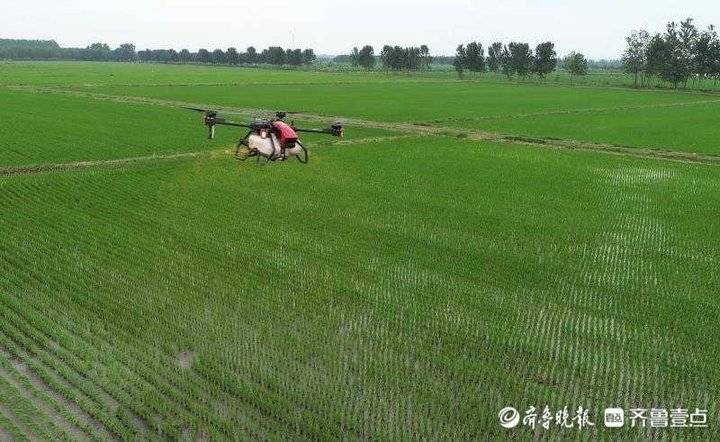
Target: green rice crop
691,128
398,290
396,287
407,101
44,129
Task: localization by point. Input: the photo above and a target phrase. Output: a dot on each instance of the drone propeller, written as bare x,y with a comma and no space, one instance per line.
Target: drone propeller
210,119
196,109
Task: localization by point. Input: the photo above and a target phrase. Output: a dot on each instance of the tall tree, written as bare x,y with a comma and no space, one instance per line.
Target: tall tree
218,56
576,63
635,56
676,67
98,51
656,56
425,57
366,57
493,58
688,36
355,57
521,58
251,55
204,56
125,52
413,59
545,59
703,66
185,56
145,55
460,61
475,57
308,56
386,57
715,57
276,55
232,56
506,62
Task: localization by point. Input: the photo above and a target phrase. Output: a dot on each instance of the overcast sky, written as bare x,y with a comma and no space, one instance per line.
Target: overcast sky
596,28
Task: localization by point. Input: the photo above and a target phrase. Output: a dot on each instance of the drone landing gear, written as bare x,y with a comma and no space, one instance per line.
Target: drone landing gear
245,153
302,157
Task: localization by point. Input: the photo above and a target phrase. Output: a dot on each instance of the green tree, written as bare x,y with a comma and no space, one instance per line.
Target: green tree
656,56
386,57
688,36
232,56
293,57
521,58
218,56
635,56
460,61
185,56
425,57
715,57
98,52
676,67
275,55
576,64
703,51
251,55
366,57
412,59
506,62
204,56
308,56
125,52
493,58
545,59
355,57
145,55
475,57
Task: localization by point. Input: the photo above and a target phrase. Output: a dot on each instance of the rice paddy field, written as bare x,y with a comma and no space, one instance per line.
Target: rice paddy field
469,246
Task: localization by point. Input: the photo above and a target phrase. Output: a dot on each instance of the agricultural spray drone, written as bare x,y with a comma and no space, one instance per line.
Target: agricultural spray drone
272,139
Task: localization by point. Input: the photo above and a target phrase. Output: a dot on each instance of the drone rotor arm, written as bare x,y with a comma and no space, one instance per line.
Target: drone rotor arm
335,130
223,122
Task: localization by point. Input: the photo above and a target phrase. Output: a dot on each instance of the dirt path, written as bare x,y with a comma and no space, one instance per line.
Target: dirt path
431,129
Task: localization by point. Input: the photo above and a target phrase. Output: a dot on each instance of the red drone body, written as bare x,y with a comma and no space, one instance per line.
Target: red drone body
287,137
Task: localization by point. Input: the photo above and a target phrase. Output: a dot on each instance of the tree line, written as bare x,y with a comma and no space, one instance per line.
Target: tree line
394,58
675,56
49,50
516,58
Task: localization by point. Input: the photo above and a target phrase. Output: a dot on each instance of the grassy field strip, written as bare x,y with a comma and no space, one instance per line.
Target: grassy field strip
628,105
426,129
575,111
397,78
107,73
